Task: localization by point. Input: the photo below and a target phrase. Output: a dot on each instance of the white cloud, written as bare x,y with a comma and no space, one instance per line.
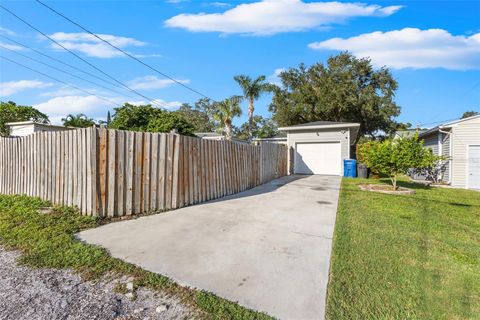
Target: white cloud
93,47
269,17
169,105
274,78
93,106
58,107
11,46
152,55
411,48
217,4
152,82
6,31
12,87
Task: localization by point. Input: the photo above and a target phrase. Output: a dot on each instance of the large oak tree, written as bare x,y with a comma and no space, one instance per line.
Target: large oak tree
346,89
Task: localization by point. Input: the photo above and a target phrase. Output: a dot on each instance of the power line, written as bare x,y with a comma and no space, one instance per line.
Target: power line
58,80
60,70
122,51
77,56
441,121
60,61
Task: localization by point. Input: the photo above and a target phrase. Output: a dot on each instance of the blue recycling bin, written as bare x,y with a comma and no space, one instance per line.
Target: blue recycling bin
350,168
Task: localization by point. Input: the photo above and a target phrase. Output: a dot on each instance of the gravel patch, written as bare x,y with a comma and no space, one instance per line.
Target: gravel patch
30,293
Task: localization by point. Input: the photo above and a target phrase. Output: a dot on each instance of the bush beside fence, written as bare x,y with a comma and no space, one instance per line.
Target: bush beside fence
116,173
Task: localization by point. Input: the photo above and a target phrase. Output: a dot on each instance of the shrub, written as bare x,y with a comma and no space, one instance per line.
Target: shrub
396,157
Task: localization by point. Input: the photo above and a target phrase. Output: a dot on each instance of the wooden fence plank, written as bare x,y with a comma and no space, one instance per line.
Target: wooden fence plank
111,172
138,164
129,172
154,172
162,171
146,171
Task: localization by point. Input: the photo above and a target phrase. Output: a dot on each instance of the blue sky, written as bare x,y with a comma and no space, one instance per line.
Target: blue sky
432,48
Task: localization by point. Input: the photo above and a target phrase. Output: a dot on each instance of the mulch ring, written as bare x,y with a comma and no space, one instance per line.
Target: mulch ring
383,188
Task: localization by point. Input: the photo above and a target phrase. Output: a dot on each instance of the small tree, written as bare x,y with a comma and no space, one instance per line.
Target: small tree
262,128
252,90
396,157
78,121
149,119
226,110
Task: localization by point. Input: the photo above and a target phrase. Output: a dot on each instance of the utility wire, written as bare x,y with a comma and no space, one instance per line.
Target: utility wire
79,57
441,121
60,70
60,61
58,80
123,51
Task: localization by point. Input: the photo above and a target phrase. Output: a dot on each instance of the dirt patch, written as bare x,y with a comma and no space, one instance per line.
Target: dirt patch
29,293
383,188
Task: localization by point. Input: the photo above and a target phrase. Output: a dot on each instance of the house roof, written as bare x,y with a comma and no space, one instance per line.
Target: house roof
319,125
26,123
409,132
447,125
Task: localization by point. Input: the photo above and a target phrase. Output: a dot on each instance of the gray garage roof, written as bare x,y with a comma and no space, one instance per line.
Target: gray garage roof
320,125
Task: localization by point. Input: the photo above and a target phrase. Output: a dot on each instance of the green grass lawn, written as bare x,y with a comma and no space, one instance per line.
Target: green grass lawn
47,240
405,257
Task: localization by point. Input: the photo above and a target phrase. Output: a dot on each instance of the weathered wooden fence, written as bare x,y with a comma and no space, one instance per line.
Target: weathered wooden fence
117,173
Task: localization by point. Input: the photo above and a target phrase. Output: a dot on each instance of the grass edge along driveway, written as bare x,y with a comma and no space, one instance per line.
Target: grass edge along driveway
47,241
405,257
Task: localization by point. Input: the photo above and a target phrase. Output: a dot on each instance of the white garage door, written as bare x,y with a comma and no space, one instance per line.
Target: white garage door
318,158
473,167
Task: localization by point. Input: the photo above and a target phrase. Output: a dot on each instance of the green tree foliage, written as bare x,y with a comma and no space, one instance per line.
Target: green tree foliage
149,119
396,157
109,118
225,111
197,116
346,89
78,121
468,114
11,112
262,128
167,121
252,90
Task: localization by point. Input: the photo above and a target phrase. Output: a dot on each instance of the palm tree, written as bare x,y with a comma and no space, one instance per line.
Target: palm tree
252,90
225,111
79,121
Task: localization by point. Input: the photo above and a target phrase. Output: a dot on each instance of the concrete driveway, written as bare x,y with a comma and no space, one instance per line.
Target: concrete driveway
267,248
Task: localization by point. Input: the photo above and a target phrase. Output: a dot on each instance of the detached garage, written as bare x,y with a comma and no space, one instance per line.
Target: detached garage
320,147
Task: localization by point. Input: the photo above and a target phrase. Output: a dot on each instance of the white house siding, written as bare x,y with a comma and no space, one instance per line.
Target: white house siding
446,153
431,141
441,147
463,134
322,135
22,130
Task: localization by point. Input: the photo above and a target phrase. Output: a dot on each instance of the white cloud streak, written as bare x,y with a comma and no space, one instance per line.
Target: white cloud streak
268,17
11,46
153,82
93,47
411,48
12,87
274,78
6,31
